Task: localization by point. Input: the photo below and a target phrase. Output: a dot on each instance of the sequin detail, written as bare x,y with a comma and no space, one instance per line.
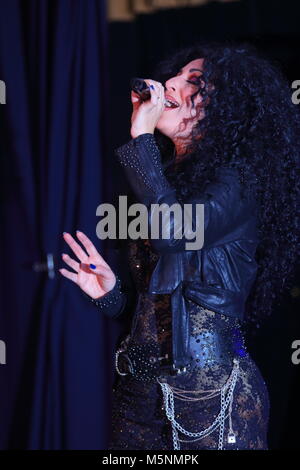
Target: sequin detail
149,169
139,420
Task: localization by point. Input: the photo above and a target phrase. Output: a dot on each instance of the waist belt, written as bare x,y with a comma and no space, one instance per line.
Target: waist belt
145,363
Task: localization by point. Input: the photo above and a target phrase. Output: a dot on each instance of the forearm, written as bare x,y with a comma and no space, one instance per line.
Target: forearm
141,160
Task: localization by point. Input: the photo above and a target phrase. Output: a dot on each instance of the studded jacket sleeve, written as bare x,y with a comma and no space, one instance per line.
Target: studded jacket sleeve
115,303
224,212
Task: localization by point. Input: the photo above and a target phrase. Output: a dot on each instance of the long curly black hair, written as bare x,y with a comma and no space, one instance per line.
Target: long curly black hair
250,123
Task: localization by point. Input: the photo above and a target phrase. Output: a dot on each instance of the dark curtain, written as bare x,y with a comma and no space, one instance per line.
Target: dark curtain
56,169
273,27
55,386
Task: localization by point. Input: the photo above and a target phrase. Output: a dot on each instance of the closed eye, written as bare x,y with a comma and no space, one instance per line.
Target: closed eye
195,82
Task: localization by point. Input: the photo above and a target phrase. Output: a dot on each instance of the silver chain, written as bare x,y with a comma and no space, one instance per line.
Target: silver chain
226,400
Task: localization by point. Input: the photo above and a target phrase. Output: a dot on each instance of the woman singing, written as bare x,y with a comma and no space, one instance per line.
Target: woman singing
218,132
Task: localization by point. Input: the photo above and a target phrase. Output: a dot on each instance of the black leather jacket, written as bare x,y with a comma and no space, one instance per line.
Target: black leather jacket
218,276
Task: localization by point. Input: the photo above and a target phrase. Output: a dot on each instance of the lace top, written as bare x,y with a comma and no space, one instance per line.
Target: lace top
214,339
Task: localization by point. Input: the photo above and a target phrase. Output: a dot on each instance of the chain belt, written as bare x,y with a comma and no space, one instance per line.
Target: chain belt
143,362
226,401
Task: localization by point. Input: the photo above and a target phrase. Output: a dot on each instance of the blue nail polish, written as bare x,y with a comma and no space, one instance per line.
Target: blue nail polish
92,266
64,233
152,86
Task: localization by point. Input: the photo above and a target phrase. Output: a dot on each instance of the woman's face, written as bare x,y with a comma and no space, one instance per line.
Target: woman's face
181,88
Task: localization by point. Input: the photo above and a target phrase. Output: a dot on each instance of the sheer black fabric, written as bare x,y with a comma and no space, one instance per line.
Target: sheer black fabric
139,418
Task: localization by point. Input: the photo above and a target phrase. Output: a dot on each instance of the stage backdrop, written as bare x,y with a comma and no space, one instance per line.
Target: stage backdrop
55,385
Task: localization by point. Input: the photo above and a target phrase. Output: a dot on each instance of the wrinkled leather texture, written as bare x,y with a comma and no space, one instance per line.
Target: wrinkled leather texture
218,276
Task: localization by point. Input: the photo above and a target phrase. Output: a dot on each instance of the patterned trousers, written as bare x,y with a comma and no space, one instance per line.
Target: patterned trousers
139,420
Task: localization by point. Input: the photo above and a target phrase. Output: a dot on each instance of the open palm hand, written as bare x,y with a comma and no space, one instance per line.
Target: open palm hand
94,282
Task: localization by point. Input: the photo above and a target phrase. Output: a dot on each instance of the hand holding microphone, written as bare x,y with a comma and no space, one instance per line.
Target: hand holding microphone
140,86
148,101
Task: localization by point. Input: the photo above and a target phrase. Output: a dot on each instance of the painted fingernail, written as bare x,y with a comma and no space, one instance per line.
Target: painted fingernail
64,233
152,86
63,254
78,231
92,266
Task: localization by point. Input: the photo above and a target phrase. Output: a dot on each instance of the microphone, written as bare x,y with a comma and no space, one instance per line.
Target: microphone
141,88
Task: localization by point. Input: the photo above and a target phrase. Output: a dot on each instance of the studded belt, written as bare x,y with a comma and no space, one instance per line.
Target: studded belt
143,361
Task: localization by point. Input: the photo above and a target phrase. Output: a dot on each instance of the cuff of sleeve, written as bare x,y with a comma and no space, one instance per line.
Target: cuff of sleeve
113,297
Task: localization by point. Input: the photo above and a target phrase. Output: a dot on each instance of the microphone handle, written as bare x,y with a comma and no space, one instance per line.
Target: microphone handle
141,88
